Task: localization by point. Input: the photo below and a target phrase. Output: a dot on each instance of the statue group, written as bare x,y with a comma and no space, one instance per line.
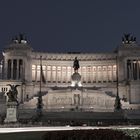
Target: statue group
128,38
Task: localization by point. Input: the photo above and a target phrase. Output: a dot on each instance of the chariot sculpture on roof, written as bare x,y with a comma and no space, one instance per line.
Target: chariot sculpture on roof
128,39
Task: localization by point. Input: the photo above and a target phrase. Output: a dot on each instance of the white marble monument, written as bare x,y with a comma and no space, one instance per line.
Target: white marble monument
96,76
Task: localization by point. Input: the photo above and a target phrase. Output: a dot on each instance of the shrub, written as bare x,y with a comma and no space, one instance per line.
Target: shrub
96,134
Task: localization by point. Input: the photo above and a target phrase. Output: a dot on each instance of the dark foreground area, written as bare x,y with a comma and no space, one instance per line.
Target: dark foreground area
96,134
22,136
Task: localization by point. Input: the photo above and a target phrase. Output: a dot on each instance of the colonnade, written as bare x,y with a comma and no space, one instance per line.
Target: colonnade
133,69
62,74
14,69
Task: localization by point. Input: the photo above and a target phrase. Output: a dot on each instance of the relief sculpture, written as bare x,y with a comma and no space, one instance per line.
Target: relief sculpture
76,99
61,100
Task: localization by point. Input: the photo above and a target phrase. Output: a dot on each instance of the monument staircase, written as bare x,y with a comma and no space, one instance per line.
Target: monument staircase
32,102
28,110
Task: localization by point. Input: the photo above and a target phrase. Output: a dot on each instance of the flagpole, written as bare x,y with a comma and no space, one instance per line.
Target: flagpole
117,79
40,72
39,103
117,105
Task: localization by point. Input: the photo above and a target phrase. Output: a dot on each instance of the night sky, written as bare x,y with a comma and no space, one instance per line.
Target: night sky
69,25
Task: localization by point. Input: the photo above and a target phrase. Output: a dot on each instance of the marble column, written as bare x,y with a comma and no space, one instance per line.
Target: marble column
111,73
91,73
51,74
126,69
96,74
134,70
107,77
5,69
86,80
35,73
101,74
56,76
12,68
23,71
61,80
131,70
17,72
137,69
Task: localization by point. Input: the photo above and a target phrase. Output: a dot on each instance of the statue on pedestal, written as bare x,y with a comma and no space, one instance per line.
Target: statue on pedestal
76,77
12,103
76,65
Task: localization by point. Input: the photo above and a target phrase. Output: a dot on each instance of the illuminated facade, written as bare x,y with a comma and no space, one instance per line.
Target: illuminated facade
21,65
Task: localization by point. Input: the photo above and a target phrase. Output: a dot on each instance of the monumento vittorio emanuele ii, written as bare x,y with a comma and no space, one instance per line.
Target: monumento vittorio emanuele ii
73,80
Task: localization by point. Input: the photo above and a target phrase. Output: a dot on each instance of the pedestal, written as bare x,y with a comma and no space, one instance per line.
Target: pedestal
76,80
11,112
